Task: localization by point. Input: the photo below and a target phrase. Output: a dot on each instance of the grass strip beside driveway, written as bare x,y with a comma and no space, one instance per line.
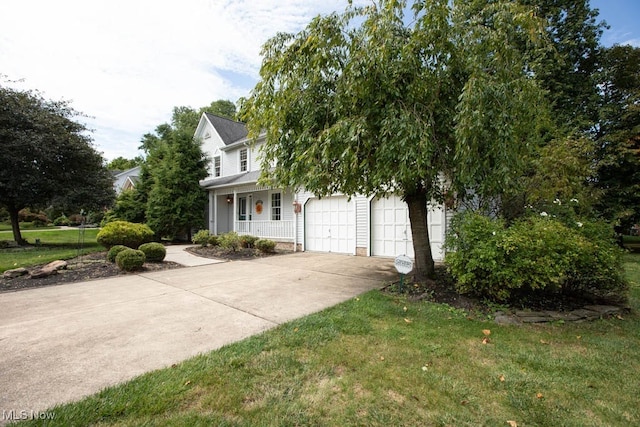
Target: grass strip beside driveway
382,360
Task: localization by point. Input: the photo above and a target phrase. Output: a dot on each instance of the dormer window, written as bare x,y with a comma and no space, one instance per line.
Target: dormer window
243,160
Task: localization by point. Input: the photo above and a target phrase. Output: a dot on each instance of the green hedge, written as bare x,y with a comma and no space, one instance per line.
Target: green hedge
534,256
124,233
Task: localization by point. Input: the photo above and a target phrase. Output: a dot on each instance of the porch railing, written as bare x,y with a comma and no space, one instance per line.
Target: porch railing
266,229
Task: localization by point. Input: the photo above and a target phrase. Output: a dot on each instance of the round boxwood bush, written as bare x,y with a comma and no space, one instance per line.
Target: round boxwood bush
130,259
124,233
154,252
114,251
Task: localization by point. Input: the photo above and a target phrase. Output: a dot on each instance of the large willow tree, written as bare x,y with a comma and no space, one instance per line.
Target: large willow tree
373,102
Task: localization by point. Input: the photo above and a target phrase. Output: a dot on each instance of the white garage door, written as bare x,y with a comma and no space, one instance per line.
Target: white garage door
330,225
391,229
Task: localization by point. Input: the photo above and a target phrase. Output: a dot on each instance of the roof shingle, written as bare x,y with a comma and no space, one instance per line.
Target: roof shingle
229,130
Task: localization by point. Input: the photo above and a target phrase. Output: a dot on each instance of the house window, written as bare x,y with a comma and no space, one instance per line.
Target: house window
276,206
216,166
243,160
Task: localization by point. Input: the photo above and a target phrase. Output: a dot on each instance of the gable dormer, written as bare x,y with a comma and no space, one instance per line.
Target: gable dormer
216,133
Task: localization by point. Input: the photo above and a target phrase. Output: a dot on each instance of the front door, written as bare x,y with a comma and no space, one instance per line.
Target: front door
242,209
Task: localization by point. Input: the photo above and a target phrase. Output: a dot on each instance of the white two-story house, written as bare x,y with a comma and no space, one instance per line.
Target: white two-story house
358,225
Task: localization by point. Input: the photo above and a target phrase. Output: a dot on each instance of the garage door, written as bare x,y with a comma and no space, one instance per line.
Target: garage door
391,229
329,225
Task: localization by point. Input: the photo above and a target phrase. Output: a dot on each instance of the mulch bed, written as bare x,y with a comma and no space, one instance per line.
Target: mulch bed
87,267
240,254
442,290
95,266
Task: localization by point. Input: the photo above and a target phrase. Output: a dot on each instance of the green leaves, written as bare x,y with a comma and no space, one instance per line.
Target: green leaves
372,102
47,157
538,256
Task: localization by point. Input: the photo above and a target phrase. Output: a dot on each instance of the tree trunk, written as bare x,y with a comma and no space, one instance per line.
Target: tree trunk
424,267
15,225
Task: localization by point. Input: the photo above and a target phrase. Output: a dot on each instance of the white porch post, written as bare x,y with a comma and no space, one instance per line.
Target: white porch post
235,209
214,229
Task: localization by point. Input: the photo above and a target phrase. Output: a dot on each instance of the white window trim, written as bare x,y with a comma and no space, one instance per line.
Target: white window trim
219,167
240,160
281,193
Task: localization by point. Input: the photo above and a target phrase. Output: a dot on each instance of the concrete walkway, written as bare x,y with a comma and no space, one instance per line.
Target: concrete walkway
179,255
60,343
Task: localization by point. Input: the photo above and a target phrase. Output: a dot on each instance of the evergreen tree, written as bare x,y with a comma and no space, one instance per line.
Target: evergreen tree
618,137
176,202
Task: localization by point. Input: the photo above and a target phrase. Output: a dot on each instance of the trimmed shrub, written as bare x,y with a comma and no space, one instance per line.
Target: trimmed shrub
201,238
124,233
25,215
130,259
213,240
76,219
61,220
266,246
114,251
154,252
248,241
534,256
230,241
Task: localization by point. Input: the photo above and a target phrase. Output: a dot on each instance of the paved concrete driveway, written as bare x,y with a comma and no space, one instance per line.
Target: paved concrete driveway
61,343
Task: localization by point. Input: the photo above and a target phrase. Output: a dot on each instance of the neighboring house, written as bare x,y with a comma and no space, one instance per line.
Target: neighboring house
359,225
126,180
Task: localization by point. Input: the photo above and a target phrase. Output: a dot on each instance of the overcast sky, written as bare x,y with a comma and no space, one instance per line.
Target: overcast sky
128,63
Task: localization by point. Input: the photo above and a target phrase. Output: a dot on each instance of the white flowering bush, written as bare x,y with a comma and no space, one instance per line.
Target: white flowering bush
534,255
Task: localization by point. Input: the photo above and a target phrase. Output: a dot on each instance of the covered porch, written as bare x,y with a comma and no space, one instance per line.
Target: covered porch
264,213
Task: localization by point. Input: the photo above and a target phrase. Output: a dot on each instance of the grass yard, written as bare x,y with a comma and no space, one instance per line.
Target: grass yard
6,226
380,360
54,244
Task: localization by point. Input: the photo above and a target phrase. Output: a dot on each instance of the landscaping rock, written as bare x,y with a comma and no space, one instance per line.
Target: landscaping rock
16,272
43,272
504,319
604,310
589,312
56,265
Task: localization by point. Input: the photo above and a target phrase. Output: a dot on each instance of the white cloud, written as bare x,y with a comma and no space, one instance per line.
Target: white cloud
128,63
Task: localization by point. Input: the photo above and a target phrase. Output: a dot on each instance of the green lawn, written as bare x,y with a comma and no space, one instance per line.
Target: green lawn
380,360
54,244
